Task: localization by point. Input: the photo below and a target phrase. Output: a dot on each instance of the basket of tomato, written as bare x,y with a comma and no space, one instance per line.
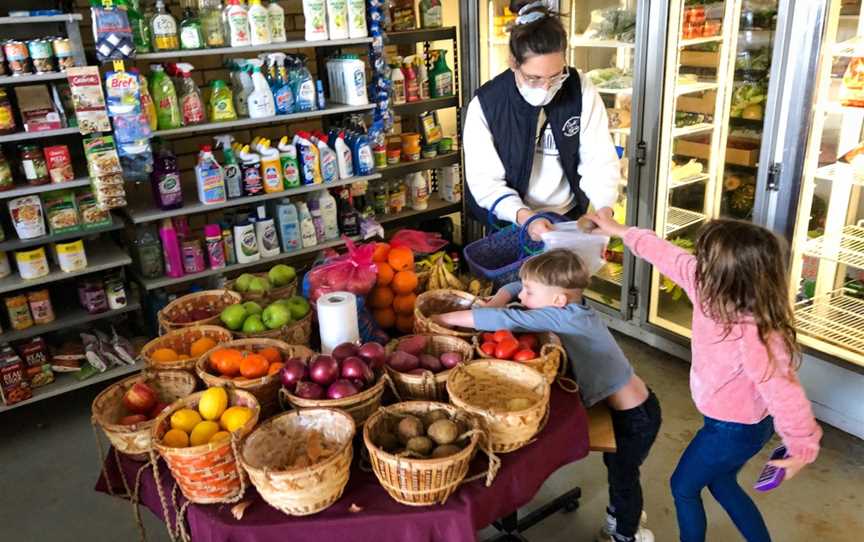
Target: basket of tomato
540,351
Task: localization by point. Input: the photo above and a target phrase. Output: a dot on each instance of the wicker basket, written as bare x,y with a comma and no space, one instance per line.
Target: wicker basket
359,406
107,408
438,302
422,482
210,300
282,292
300,491
209,473
428,386
551,361
180,340
266,388
484,388
297,332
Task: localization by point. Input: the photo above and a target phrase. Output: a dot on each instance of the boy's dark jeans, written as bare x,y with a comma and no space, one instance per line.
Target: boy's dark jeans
635,431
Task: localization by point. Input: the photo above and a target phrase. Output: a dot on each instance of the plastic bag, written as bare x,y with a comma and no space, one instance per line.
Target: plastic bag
352,272
420,242
590,247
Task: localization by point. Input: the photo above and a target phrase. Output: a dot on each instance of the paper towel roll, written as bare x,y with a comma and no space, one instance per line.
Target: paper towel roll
337,320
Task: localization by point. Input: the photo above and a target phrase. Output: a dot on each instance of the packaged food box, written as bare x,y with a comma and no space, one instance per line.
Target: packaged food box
37,361
26,215
59,163
88,99
61,212
14,386
37,109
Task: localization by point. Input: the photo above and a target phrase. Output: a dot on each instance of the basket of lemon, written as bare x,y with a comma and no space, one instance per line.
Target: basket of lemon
181,348
198,437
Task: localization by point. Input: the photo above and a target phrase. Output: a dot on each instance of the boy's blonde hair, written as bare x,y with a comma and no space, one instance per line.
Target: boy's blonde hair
559,267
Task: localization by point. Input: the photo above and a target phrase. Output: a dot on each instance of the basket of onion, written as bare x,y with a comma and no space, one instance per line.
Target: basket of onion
350,378
419,364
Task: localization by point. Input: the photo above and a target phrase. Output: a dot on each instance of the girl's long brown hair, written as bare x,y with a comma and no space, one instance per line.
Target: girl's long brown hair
741,271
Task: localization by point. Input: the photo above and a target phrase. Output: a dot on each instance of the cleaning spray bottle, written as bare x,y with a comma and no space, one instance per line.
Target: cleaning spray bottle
288,225
422,78
397,79
308,159
303,86
440,76
283,96
329,214
265,232
307,226
209,177
329,167
191,103
271,168
230,169
165,99
246,242
288,162
250,166
261,102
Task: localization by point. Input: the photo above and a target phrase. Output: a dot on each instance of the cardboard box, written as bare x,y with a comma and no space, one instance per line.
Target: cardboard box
700,59
696,149
697,104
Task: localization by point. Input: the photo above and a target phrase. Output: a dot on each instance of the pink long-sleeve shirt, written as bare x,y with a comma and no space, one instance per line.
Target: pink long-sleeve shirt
730,376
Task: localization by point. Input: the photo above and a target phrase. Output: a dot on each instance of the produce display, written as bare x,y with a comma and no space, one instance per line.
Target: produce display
393,297
250,317
503,344
214,420
435,436
246,363
141,403
347,371
612,24
169,355
748,99
409,357
611,78
278,276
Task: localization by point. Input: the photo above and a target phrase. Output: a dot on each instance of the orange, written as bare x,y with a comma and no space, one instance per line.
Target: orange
226,361
164,355
380,297
381,251
201,346
385,273
275,367
404,282
385,318
404,304
405,324
401,259
271,354
254,366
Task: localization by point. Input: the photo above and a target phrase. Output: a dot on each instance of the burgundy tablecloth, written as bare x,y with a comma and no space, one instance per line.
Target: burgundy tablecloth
472,507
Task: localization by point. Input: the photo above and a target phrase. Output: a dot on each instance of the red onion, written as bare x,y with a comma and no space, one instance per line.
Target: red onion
293,372
344,350
373,354
354,367
309,390
341,388
324,370
359,384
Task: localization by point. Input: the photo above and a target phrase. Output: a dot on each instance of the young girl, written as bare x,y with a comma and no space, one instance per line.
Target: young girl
743,369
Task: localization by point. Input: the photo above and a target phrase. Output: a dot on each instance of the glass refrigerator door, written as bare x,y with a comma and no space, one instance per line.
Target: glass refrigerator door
694,128
828,245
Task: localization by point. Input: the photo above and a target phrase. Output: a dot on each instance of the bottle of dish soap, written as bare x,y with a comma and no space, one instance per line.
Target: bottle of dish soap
209,176
307,226
271,168
221,102
259,23
288,162
276,19
211,23
163,28
237,24
191,36
164,98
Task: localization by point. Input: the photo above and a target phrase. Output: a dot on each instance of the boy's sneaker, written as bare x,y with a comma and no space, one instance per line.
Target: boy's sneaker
611,527
642,535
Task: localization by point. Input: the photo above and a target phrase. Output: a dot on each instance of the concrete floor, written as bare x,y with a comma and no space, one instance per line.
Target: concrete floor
48,465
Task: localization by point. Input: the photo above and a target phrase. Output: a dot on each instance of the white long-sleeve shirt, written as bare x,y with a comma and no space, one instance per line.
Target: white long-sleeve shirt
548,188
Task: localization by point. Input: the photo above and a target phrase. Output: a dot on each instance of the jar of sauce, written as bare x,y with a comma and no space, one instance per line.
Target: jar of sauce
34,165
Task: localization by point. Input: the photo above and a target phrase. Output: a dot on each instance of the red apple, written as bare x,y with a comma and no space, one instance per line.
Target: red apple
133,419
140,399
157,409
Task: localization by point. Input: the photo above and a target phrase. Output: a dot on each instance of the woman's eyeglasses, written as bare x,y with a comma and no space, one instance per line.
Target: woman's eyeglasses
537,82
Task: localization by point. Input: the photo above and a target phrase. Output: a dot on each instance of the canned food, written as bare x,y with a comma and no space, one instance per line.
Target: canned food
19,312
42,53
32,264
64,53
40,306
70,256
17,56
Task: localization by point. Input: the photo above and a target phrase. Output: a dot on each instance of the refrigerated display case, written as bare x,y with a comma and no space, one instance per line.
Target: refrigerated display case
827,273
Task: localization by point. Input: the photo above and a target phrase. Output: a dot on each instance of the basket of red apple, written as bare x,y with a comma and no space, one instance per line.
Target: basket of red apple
419,364
127,410
350,378
195,309
288,319
540,351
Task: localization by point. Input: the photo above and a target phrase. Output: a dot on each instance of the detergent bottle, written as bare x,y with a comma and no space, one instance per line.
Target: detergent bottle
250,166
237,24
288,162
329,214
329,167
308,236
271,168
230,169
308,159
288,225
209,177
165,99
259,23
344,160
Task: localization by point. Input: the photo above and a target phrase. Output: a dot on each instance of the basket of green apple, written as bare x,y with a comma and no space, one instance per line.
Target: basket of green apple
288,320
278,283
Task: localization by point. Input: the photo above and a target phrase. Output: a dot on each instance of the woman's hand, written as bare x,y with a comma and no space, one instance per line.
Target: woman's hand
792,465
537,227
605,224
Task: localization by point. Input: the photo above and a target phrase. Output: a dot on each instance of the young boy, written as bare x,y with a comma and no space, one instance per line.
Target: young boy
551,290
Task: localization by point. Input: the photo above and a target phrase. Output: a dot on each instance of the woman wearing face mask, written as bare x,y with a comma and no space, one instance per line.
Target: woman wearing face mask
537,137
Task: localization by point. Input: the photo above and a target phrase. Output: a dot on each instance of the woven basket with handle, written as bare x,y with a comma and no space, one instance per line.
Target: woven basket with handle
174,314
281,292
277,452
511,400
107,409
428,386
550,363
297,332
435,302
416,481
265,388
180,340
209,473
359,406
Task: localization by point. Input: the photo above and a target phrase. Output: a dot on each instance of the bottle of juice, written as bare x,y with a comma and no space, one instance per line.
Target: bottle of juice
165,99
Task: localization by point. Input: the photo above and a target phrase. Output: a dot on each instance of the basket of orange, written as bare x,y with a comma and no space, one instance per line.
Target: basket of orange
395,293
180,349
199,437
195,309
251,365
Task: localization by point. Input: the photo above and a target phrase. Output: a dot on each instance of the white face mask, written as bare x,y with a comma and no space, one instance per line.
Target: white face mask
539,96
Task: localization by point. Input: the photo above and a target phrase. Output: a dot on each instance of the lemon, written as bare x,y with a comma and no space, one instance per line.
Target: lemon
235,417
176,438
221,435
185,419
203,432
213,403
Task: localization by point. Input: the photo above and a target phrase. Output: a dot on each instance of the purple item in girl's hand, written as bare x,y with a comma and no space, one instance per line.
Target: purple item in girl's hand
771,476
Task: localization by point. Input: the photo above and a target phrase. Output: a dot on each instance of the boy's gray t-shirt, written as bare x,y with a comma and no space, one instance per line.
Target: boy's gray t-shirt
596,361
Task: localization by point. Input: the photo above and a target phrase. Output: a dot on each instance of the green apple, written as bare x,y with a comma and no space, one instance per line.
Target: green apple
253,324
283,301
242,282
252,308
259,286
233,316
281,274
299,307
276,316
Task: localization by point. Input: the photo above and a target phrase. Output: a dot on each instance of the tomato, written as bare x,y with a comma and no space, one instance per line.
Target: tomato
489,337
506,348
502,334
527,340
524,355
488,348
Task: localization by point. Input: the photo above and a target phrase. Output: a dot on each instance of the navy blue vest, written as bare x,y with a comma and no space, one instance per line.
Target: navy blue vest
513,123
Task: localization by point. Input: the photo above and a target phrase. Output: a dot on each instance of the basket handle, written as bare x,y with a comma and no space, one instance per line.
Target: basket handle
566,383
523,230
490,214
494,462
386,377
